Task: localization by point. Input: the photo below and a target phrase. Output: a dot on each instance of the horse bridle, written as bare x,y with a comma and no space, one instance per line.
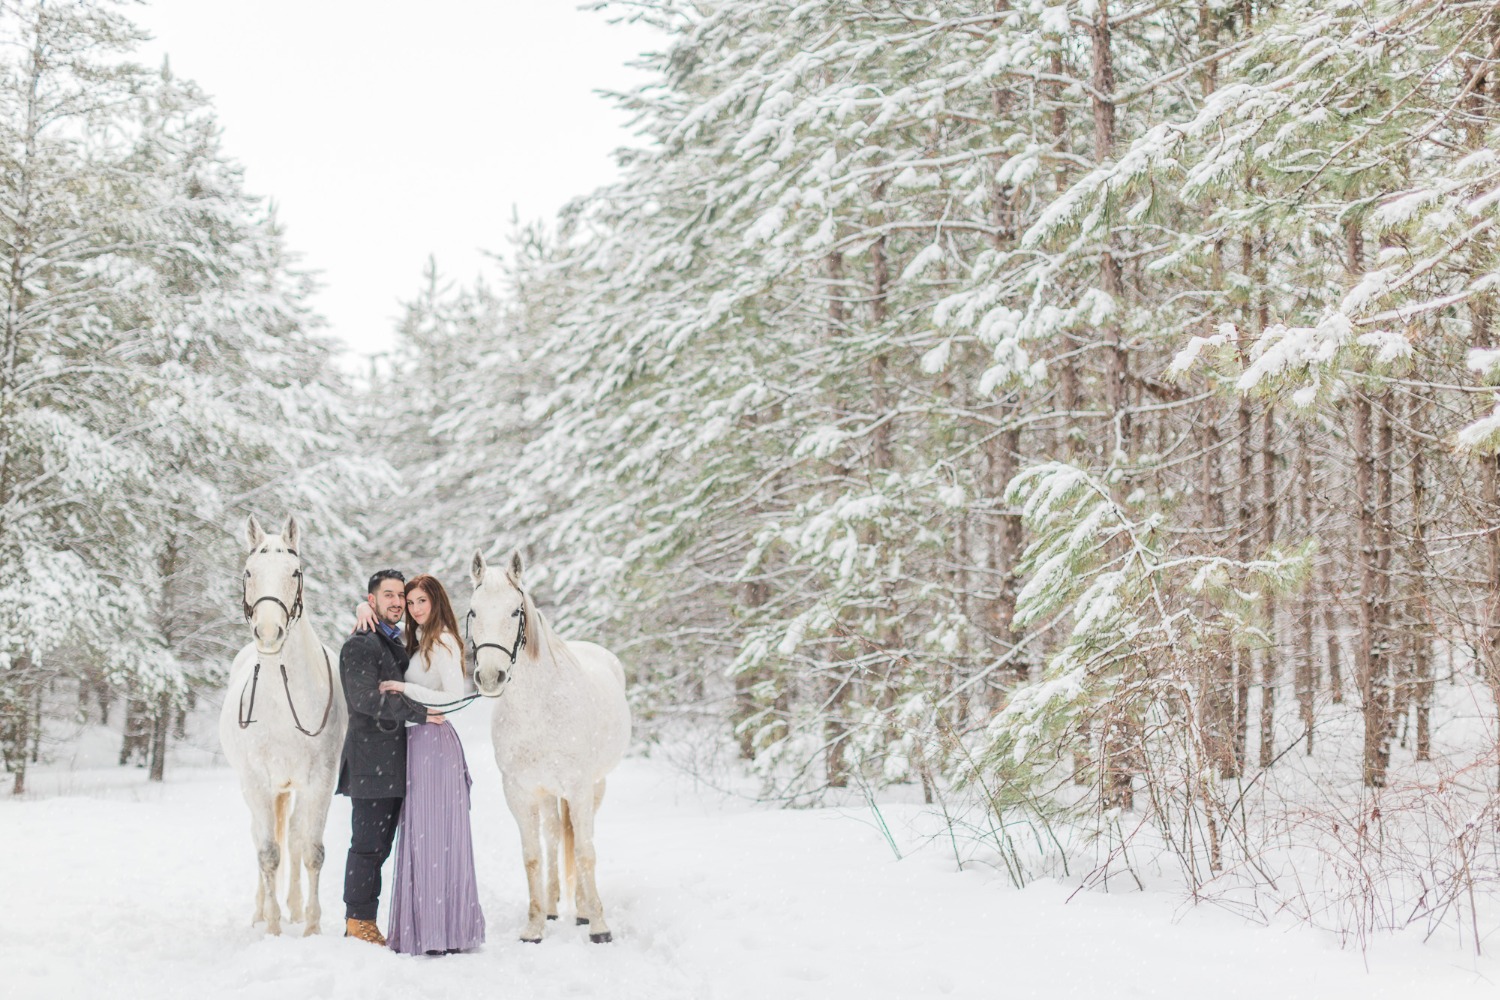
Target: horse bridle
292,613
514,651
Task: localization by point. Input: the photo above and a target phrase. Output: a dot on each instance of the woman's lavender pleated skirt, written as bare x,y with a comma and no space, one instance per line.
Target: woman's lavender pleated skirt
435,905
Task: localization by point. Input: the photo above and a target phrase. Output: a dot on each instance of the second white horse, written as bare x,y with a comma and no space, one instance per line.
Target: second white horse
282,726
560,725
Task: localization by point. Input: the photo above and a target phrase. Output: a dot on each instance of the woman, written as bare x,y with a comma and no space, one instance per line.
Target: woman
435,905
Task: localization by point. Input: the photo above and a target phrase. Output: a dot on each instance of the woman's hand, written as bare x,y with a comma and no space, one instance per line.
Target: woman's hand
391,687
364,618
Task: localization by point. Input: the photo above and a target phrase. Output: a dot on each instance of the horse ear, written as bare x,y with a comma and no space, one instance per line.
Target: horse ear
292,534
516,566
476,568
254,534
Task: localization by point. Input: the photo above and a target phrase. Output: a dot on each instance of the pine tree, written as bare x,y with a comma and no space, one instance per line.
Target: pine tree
158,376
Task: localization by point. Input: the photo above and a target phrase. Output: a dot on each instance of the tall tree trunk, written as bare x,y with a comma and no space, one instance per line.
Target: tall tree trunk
1003,451
1384,627
1006,545
1489,654
746,705
21,243
36,724
1217,716
835,732
1419,612
1307,664
1480,102
836,729
1481,313
16,719
1068,378
1370,666
1270,655
1110,278
1121,733
167,626
103,695
1333,618
18,767
1208,35
1059,123
135,744
880,441
1245,517
161,722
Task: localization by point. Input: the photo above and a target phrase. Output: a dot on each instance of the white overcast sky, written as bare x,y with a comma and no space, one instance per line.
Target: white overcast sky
387,131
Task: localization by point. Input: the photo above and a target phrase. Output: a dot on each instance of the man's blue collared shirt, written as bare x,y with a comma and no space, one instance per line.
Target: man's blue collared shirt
391,632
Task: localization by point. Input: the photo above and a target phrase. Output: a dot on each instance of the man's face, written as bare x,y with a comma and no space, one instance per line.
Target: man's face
389,601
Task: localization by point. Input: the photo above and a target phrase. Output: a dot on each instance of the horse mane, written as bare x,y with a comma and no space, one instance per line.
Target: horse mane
548,644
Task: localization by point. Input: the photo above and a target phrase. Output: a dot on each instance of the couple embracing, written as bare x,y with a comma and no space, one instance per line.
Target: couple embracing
403,766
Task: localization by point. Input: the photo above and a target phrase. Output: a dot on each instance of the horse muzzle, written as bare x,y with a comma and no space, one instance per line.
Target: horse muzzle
491,681
269,639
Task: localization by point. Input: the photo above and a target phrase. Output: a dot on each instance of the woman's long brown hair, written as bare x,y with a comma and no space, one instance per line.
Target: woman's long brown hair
441,620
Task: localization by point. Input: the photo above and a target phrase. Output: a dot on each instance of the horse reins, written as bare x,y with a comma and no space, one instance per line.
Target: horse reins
292,613
447,706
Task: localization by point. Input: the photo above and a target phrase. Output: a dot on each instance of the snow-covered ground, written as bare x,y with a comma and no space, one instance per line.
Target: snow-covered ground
116,887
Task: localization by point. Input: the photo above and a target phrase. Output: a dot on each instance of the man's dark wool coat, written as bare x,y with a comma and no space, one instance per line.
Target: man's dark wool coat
374,761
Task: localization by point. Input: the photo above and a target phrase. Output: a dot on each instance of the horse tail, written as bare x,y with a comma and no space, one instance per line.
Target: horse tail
569,872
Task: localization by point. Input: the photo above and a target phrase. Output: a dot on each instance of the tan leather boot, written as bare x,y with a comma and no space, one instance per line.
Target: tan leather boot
365,930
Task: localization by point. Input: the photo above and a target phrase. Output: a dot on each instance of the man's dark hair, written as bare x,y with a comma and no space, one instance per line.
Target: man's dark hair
385,574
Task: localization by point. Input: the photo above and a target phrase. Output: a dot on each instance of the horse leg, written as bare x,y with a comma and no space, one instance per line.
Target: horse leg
286,806
570,852
551,837
268,854
525,806
570,870
308,823
581,808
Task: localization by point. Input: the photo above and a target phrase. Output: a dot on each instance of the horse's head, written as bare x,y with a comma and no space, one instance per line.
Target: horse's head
273,584
498,625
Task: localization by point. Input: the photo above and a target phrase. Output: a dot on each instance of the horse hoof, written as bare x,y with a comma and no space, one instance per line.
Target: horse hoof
551,916
580,921
604,938
531,940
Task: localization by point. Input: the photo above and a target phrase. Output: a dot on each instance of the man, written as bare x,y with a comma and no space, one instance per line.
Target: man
372,771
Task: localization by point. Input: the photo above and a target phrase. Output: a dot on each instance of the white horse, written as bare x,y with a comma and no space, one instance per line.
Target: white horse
282,726
560,725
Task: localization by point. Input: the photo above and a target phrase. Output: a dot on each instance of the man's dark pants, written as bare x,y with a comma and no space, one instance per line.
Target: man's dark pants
374,829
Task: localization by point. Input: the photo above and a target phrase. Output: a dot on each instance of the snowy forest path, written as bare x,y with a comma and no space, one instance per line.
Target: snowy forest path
141,888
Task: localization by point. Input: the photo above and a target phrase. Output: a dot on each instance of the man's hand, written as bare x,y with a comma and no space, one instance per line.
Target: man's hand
364,618
436,718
